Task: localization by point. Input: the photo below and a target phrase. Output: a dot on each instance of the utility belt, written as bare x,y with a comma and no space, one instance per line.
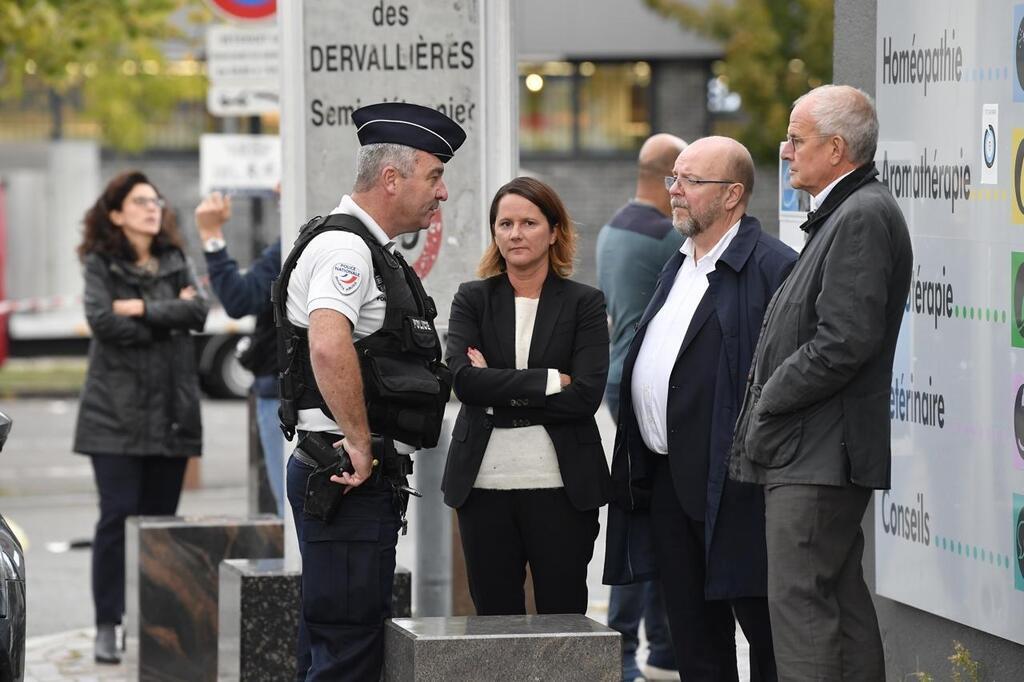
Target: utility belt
323,496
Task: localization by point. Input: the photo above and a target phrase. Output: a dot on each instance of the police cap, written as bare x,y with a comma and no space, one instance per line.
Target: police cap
411,125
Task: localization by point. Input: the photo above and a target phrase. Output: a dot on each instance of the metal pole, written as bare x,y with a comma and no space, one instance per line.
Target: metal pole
432,577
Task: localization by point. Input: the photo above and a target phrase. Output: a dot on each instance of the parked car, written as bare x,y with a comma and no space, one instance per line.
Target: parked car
12,592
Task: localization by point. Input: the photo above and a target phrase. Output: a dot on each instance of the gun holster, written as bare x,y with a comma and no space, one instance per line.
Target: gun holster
322,494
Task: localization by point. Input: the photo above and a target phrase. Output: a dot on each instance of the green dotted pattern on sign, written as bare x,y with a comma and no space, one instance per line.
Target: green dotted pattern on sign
980,314
973,552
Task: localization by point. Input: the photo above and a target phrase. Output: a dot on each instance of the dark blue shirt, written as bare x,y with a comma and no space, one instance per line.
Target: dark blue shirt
247,293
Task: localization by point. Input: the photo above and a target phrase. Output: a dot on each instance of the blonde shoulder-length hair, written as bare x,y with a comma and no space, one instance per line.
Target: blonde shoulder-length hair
560,254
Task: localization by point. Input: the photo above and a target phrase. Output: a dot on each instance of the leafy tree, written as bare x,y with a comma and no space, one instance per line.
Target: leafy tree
109,54
775,51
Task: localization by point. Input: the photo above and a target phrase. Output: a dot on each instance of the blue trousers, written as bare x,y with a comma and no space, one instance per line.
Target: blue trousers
348,567
272,444
627,605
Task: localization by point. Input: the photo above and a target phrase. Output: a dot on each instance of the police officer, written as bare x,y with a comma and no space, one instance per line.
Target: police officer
357,325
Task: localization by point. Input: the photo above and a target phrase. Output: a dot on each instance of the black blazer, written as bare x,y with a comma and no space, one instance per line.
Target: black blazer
571,335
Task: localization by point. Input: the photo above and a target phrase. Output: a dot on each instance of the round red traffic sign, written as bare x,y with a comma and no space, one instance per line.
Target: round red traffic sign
245,9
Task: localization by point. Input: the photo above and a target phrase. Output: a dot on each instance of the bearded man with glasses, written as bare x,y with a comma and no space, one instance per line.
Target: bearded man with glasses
682,382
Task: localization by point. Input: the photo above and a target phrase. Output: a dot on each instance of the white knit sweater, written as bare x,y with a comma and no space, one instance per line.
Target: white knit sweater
522,458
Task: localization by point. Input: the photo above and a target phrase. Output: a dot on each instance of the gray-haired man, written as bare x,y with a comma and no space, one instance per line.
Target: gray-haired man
814,428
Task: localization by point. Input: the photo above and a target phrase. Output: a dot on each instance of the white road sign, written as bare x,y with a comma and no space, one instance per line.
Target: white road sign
242,54
242,64
239,163
241,100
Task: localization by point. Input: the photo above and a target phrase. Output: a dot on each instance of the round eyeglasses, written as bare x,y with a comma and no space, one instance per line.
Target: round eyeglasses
146,202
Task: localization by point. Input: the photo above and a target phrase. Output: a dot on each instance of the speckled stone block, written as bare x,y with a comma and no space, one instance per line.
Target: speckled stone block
172,585
549,647
259,618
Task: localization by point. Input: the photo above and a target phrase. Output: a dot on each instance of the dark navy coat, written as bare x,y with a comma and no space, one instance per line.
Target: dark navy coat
746,276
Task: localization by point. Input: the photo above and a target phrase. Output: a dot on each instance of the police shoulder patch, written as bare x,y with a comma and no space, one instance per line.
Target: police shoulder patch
346,278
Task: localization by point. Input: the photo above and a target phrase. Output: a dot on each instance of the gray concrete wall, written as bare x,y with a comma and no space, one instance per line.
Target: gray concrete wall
914,640
593,190
680,99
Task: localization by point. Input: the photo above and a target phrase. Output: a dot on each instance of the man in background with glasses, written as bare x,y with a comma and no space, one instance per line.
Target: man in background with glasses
814,429
682,382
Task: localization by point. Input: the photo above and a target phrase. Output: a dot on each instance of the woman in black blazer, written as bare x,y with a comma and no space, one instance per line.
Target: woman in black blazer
528,350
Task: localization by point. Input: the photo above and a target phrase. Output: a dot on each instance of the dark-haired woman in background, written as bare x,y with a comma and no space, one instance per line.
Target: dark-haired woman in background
528,350
139,413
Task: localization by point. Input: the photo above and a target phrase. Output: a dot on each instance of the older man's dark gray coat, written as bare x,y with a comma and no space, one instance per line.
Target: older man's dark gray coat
817,404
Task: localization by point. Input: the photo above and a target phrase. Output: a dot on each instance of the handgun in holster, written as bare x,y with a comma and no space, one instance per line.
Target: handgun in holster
322,494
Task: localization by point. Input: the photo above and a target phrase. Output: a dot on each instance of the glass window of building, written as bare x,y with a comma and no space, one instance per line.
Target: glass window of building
584,108
545,107
614,110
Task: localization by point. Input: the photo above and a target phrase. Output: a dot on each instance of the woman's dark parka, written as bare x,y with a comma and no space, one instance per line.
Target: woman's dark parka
141,394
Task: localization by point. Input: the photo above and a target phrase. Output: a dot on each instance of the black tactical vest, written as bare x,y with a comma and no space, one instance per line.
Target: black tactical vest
405,383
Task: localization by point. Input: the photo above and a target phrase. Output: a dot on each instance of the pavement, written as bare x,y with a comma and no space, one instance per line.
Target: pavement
66,656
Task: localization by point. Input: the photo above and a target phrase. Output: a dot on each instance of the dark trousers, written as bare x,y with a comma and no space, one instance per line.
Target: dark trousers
504,530
628,604
348,567
703,631
822,615
128,486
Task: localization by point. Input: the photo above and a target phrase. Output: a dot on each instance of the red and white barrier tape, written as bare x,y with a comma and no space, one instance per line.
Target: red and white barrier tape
39,304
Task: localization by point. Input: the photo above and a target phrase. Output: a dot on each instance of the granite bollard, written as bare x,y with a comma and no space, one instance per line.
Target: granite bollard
172,589
259,618
546,647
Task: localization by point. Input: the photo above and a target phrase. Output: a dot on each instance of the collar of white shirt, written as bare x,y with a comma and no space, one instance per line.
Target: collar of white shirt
712,256
817,201
348,206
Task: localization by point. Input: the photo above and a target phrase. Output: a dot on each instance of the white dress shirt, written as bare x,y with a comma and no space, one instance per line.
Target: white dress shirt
664,337
819,199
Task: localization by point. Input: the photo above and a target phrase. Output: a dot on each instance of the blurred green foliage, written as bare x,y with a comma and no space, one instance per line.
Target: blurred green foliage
110,53
27,377
775,51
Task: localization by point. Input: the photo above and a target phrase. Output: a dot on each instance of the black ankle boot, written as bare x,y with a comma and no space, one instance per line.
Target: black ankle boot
106,644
